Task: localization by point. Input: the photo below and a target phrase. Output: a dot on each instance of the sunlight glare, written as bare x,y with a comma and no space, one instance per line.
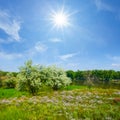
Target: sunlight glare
60,19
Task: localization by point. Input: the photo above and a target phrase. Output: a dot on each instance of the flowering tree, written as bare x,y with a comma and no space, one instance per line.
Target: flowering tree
33,78
29,78
54,77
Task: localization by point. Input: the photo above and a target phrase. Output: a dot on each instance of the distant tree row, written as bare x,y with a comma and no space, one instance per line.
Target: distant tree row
104,76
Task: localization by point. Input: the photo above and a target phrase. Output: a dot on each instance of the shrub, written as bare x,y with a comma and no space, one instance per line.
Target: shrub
54,77
33,78
10,81
29,78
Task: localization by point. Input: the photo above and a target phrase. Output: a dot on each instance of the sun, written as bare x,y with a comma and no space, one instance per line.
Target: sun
60,19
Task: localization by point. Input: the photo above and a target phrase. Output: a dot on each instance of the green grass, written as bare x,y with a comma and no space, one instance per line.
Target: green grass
73,87
74,103
58,112
10,93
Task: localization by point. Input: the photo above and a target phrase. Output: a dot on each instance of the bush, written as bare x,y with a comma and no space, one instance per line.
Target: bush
29,78
54,77
33,78
10,81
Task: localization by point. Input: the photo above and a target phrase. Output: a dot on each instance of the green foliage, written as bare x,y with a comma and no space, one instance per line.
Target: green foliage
29,78
33,78
71,74
54,77
98,77
3,73
10,81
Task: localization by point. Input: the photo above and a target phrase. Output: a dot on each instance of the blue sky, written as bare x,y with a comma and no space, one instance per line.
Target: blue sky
91,41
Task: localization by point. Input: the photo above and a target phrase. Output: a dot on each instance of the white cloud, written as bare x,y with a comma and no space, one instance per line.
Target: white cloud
72,65
10,25
4,55
55,40
40,47
115,60
115,65
102,6
67,56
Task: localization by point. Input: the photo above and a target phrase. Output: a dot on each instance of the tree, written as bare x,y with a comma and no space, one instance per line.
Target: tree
71,74
29,78
54,77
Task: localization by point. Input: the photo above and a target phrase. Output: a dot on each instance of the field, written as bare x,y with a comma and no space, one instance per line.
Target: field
73,103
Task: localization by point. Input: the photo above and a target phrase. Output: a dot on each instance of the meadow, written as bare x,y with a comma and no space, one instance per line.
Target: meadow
51,94
71,103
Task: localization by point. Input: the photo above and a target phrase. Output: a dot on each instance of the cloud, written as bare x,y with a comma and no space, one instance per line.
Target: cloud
102,6
115,60
55,40
40,47
67,56
11,26
72,65
115,65
4,55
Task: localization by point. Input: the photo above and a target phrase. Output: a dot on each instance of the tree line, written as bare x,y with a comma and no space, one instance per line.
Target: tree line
32,78
97,76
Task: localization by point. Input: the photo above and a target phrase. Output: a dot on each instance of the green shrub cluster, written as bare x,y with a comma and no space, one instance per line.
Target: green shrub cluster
32,78
10,81
54,77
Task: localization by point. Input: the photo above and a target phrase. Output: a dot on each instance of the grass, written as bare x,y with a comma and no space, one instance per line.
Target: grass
73,87
75,103
10,93
58,112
